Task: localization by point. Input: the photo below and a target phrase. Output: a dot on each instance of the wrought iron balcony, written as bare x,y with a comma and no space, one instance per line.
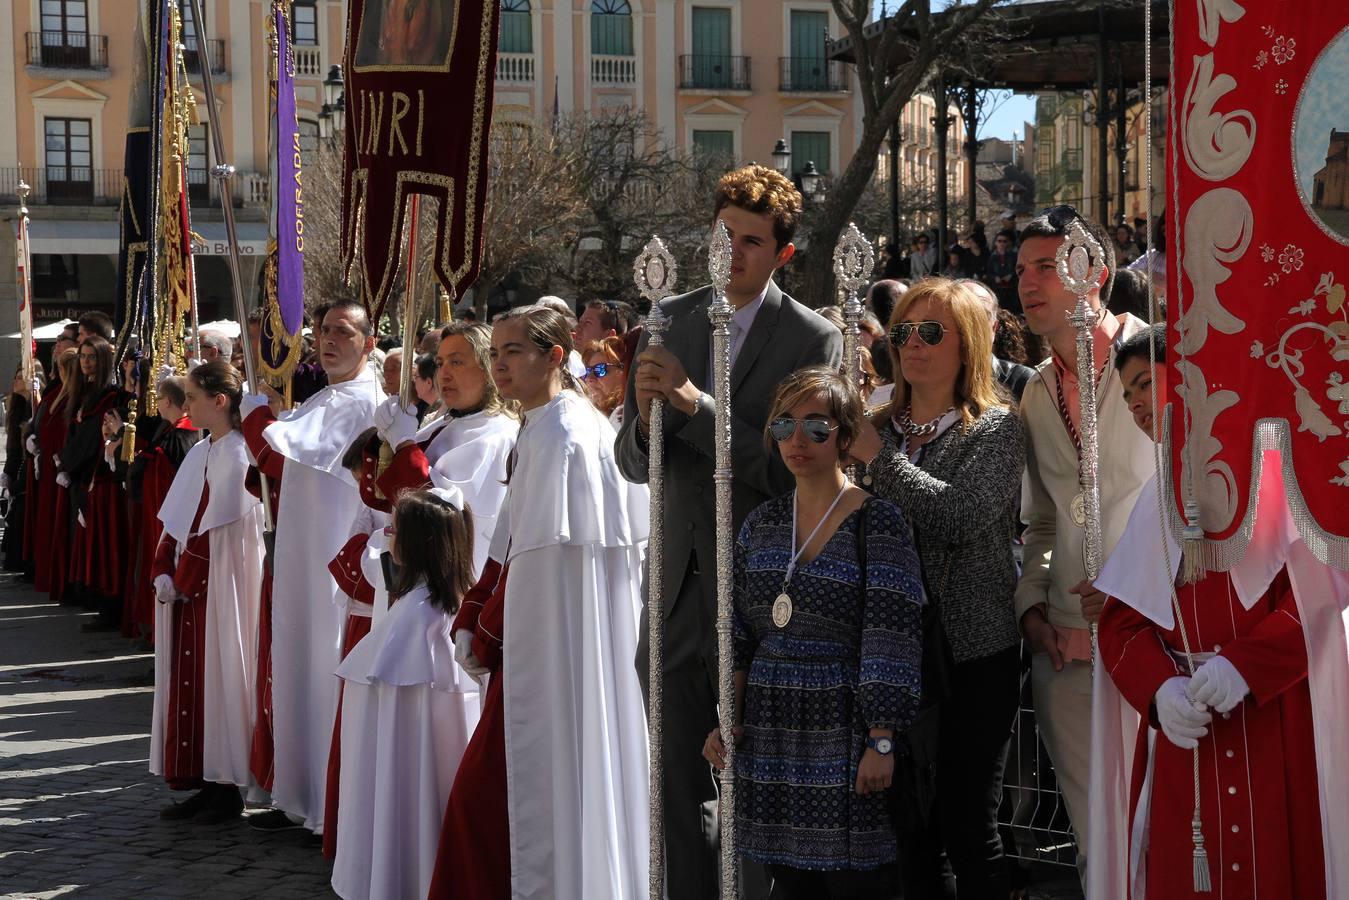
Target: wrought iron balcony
712,71
812,74
67,50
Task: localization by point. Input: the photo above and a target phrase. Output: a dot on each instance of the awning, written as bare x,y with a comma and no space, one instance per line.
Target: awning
82,237
46,332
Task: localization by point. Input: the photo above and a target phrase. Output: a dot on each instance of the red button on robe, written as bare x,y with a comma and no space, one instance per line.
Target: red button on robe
1257,765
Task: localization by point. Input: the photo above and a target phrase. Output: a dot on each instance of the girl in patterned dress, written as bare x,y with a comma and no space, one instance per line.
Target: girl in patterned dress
828,649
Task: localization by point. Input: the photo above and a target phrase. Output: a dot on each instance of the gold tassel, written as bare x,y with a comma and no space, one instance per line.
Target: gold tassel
1203,883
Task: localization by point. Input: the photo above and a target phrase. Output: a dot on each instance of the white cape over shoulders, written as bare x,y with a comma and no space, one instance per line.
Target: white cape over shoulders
576,753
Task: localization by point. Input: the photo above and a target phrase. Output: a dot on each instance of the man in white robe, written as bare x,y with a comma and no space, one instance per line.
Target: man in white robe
318,500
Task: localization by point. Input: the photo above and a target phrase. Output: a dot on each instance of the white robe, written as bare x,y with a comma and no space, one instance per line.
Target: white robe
470,452
233,523
407,715
319,500
573,531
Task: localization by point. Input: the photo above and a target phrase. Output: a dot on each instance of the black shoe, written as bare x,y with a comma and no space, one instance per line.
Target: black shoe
189,807
225,804
273,820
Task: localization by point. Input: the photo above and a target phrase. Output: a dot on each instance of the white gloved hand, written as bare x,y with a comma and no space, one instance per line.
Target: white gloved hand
62,479
1182,722
1218,684
395,424
463,654
250,403
31,444
165,592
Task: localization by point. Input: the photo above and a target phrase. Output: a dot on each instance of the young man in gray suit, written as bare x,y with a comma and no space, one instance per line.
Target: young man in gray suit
772,335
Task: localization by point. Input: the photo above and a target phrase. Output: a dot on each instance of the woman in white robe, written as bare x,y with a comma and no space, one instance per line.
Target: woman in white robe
408,710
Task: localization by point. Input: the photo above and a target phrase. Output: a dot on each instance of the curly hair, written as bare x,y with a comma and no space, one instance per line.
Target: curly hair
1009,341
759,189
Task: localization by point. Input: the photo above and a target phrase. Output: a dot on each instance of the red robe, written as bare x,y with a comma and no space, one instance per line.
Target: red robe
346,569
473,861
262,762
183,746
148,480
98,557
48,541
1257,766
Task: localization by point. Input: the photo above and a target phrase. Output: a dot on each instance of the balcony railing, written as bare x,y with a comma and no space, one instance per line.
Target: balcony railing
613,69
709,71
192,55
63,50
515,67
83,186
308,62
813,74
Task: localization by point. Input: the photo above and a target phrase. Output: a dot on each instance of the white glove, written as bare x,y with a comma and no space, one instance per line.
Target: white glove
394,423
31,444
62,480
1182,722
4,481
165,592
252,403
463,654
1218,684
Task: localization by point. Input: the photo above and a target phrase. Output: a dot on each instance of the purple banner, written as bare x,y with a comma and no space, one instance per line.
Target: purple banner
290,197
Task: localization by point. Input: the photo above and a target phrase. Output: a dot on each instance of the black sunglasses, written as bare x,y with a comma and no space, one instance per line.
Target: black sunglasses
1061,216
929,332
783,427
599,370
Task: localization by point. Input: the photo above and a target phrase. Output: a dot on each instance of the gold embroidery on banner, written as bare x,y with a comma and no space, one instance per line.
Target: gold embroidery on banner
421,117
401,104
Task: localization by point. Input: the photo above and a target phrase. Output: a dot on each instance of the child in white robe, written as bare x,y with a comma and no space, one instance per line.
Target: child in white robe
408,710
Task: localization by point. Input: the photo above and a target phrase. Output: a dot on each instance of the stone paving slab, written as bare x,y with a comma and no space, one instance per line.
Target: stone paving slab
79,809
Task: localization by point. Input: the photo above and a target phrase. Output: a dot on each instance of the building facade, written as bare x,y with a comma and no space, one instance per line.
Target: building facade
65,92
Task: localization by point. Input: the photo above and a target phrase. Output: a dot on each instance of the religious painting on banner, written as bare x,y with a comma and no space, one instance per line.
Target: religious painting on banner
1258,207
419,79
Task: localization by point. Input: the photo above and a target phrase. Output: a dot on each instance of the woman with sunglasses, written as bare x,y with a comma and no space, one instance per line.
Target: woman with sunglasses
605,377
949,452
828,604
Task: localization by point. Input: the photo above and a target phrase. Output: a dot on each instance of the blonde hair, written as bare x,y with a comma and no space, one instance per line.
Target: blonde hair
478,336
976,389
68,368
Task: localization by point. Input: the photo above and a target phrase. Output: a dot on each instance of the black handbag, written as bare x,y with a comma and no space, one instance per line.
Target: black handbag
913,789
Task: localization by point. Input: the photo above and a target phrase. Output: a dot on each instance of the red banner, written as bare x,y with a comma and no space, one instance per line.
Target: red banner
419,80
1258,210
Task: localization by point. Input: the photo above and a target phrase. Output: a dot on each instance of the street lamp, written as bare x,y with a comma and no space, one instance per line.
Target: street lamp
332,85
326,122
339,111
810,180
782,157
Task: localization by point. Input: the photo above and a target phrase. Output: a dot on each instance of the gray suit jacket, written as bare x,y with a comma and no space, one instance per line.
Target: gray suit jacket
786,336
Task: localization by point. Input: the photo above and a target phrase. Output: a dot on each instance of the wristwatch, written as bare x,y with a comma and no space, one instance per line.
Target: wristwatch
882,745
704,402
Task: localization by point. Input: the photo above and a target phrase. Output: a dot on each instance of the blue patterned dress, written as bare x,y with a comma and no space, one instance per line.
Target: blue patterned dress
845,663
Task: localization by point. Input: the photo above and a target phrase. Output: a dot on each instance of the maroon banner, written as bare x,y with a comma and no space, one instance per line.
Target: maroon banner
1258,211
419,80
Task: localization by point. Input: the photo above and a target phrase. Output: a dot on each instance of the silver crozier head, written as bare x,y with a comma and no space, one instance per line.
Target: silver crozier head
653,271
1079,261
719,262
854,260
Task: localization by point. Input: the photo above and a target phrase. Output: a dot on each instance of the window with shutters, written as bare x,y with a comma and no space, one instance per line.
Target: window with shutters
69,159
715,144
198,166
810,146
611,28
516,34
304,23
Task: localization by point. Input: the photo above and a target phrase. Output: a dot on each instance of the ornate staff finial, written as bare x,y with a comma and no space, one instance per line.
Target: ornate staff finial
854,261
24,191
719,259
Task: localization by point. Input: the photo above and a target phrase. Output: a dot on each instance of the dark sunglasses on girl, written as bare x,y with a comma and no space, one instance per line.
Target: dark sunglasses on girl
930,333
783,427
599,370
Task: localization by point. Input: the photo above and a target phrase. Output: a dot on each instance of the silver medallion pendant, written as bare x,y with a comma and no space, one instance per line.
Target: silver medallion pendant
782,610
1078,509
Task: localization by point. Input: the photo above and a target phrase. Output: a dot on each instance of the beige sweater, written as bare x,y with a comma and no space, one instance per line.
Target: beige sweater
1052,559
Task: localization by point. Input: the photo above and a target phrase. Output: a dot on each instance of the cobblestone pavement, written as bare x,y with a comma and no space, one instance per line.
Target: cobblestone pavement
78,806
